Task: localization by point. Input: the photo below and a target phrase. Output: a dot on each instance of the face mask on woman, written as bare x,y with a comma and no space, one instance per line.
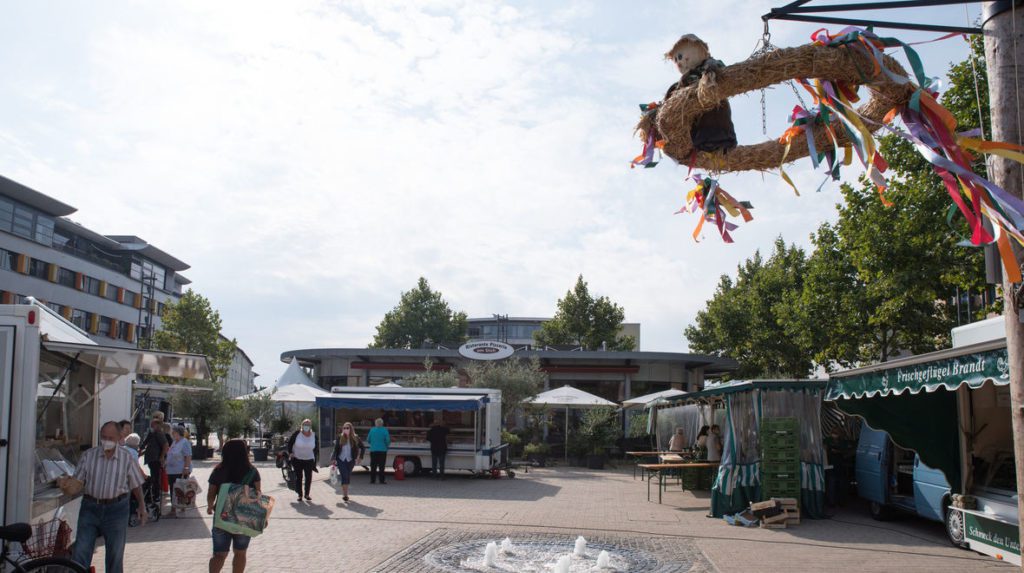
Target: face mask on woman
346,431
306,428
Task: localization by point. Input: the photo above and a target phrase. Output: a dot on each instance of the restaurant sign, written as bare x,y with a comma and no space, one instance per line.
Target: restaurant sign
949,373
486,350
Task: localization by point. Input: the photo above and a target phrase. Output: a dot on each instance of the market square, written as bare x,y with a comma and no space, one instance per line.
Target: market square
491,287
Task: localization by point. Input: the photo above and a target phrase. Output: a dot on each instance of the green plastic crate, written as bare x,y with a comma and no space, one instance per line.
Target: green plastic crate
769,467
782,423
790,455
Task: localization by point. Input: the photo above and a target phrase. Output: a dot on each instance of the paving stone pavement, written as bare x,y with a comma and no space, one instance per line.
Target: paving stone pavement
382,521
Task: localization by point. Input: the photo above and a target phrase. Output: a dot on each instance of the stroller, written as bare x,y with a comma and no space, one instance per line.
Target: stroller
150,493
282,461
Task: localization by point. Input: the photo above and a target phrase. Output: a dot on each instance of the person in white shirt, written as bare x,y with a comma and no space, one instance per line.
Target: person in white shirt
304,453
179,460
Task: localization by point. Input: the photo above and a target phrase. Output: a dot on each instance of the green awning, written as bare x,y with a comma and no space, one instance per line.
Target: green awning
734,386
946,370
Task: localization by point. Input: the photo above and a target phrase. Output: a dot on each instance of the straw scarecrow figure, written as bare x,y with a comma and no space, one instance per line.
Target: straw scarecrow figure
714,130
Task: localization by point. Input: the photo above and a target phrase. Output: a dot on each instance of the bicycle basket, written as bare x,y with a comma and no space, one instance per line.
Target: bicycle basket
49,539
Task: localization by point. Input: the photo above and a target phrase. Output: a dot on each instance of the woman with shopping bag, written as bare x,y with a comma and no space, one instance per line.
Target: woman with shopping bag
348,451
179,464
240,510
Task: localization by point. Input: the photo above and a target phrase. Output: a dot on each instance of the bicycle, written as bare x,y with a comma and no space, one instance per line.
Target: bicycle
20,533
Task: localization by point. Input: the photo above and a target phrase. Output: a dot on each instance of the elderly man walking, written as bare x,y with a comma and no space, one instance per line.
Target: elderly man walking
109,474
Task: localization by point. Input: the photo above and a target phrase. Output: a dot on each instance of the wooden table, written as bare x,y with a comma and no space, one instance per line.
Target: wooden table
644,457
662,469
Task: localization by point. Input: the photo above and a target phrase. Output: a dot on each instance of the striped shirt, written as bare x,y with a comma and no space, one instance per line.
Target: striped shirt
107,478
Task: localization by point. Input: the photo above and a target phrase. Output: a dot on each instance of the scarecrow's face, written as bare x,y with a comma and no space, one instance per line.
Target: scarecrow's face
687,57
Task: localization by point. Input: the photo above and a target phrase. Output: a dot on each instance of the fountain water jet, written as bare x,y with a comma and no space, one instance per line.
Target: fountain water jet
507,547
491,555
581,547
604,560
563,564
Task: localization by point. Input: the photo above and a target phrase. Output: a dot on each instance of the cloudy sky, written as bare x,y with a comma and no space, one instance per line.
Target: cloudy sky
310,160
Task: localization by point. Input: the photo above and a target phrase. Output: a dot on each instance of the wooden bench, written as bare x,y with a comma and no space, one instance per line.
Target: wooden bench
662,469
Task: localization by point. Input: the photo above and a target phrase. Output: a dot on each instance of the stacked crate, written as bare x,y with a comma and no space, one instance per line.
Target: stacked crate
780,458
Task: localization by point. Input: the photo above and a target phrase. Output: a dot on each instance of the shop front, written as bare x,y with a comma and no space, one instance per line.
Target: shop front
948,411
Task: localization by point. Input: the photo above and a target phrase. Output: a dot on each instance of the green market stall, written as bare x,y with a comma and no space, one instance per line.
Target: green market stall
951,407
744,405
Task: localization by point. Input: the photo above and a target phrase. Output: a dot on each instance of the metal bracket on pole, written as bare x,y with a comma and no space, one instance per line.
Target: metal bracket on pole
800,12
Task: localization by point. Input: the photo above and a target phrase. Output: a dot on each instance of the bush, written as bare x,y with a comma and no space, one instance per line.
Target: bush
282,425
536,449
598,430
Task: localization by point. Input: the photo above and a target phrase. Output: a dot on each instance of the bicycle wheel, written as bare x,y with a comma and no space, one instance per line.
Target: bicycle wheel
52,565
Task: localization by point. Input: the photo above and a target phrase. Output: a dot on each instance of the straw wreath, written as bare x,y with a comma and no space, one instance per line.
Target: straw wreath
679,112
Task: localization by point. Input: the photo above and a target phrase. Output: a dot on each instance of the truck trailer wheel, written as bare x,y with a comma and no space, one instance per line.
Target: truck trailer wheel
880,512
955,527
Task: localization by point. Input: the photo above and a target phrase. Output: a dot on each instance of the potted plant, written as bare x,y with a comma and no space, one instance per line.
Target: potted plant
205,407
259,408
537,453
514,443
599,429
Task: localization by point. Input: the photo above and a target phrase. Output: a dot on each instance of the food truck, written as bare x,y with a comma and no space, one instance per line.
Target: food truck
473,416
947,411
57,387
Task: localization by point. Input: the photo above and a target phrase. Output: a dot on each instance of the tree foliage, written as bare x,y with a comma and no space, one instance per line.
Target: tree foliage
260,407
192,325
431,378
422,314
743,318
518,380
585,320
877,282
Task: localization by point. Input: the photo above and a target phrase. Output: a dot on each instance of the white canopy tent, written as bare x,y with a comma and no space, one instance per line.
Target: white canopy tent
653,397
569,398
292,386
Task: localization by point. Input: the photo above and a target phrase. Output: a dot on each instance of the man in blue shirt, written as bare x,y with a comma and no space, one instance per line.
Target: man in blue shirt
380,440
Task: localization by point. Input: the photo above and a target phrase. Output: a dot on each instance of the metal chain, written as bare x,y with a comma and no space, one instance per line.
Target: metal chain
763,47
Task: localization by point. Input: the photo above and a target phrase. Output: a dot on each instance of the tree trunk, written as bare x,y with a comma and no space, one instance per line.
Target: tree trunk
1004,49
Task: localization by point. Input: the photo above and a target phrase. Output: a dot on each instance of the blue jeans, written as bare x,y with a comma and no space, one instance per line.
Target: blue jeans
437,462
224,541
111,521
345,470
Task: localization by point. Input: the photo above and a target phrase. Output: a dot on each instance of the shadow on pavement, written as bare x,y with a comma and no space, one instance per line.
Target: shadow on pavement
356,507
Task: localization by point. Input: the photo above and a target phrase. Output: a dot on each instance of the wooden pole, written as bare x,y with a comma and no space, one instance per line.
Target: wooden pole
1004,52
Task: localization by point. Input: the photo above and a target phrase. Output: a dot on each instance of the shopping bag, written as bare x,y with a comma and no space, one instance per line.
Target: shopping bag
242,510
185,493
335,478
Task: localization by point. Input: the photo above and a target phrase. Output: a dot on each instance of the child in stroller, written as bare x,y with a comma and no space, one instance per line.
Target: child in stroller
149,496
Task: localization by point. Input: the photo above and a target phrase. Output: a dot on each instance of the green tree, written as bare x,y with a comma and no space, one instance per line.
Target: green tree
260,408
744,319
518,380
877,280
585,320
192,325
431,378
421,315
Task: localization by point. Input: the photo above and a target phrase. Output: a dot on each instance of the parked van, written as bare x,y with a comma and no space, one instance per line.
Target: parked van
894,479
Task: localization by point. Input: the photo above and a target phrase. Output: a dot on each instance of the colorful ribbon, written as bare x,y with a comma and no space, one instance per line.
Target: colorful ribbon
652,141
714,203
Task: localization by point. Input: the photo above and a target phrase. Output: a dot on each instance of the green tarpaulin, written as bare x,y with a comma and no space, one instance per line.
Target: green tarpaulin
914,400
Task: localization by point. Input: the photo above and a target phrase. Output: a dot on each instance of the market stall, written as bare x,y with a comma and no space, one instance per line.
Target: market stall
571,399
948,411
473,416
745,407
294,393
57,388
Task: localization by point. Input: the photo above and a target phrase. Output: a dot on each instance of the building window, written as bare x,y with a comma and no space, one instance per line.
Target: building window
6,214
23,220
129,298
80,318
91,285
148,273
66,277
39,269
7,260
111,293
58,308
44,230
104,327
474,331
